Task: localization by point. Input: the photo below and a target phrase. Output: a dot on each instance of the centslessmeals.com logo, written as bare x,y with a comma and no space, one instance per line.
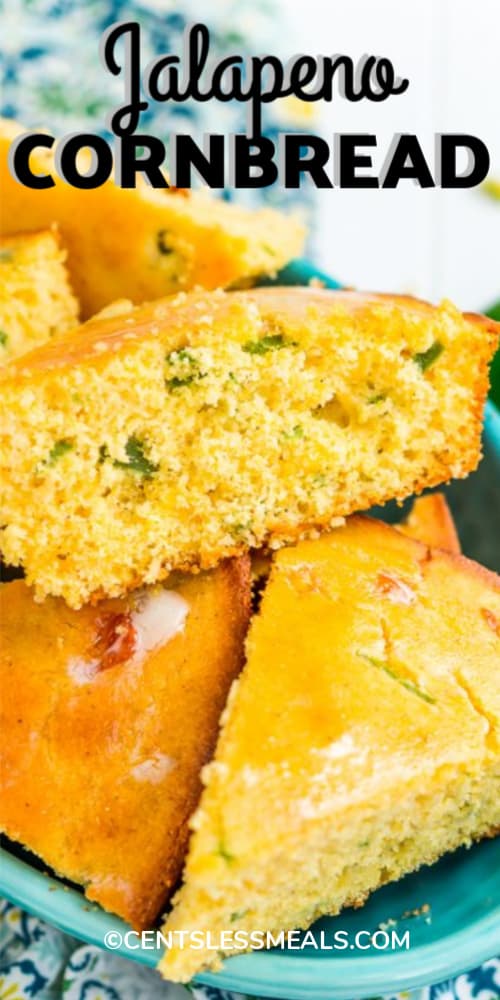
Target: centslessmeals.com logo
240,940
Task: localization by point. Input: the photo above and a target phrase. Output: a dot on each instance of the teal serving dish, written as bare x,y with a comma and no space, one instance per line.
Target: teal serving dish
451,910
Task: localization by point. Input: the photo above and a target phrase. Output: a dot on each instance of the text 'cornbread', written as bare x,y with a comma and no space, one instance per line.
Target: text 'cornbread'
364,732
141,242
36,300
195,427
107,716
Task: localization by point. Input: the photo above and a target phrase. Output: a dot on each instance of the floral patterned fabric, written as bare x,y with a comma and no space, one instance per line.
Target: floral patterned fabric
51,77
37,960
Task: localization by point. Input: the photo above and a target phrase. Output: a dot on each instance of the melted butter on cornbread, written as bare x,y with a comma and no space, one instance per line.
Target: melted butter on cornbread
156,616
153,768
105,733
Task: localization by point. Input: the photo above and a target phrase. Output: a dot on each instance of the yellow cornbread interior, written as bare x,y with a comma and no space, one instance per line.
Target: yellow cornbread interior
188,430
36,301
143,243
361,741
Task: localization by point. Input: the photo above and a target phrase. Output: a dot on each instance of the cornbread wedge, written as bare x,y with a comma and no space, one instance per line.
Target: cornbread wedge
107,716
143,243
364,732
36,301
430,521
193,428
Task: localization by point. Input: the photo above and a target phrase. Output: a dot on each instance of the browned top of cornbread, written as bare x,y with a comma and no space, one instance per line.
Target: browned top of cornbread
366,618
104,732
365,728
194,317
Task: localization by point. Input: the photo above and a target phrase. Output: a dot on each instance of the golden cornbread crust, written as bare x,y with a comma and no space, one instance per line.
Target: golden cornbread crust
143,243
102,744
190,429
430,521
364,730
36,300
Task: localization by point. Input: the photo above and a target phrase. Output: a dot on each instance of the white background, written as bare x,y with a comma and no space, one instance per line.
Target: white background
433,243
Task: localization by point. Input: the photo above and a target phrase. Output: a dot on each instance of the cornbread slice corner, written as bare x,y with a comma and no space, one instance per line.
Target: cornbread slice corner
364,732
107,716
36,300
430,521
191,429
144,243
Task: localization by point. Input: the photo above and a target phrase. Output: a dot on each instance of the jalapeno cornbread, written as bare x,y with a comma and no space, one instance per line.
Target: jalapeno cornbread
430,521
107,716
143,243
36,300
193,428
364,732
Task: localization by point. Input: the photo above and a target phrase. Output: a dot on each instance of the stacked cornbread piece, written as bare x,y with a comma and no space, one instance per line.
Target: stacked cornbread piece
203,424
142,243
107,716
144,455
365,728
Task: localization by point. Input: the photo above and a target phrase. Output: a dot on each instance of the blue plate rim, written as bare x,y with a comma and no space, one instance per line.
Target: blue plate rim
456,952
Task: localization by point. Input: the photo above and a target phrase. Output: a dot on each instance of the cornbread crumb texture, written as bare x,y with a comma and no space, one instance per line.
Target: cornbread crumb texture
36,300
207,423
367,740
144,243
107,716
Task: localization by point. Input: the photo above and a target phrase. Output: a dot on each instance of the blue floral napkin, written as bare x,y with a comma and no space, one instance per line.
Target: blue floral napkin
36,960
51,77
